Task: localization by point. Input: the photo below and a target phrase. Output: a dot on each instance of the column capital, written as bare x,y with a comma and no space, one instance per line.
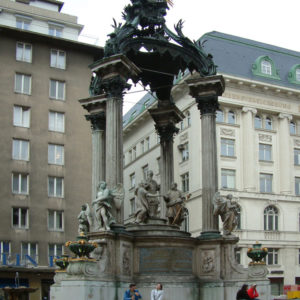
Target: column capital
287,116
206,91
97,120
246,109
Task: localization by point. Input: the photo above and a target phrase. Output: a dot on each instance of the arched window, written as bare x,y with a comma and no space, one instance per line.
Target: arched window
271,218
266,67
268,123
220,116
292,128
231,117
188,116
238,218
298,74
257,122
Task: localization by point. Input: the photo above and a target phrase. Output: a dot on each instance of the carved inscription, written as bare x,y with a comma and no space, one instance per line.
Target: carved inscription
227,131
165,260
265,138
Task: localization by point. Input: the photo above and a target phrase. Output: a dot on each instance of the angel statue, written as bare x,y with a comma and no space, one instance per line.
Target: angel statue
84,219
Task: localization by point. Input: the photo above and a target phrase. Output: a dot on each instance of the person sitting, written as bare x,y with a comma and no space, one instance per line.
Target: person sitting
157,293
242,293
132,293
252,292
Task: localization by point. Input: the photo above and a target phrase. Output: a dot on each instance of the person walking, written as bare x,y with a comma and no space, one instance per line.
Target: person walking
157,293
242,294
132,293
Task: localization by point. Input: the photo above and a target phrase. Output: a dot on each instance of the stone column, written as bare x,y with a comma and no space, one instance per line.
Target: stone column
206,92
113,73
284,154
98,149
165,118
248,149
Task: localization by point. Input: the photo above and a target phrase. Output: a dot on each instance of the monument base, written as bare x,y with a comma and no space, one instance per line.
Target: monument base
187,267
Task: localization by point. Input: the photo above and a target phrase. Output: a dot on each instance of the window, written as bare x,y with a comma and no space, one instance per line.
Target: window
271,218
56,121
23,23
292,128
227,147
132,205
20,150
147,143
55,250
220,116
20,183
266,67
184,151
58,59
55,220
231,117
185,182
265,182
181,125
297,186
299,256
298,74
265,152
188,116
20,217
228,179
57,89
4,249
185,226
55,30
297,156
133,153
55,154
237,254
23,84
145,170
272,256
268,123
132,180
21,116
30,249
257,122
238,218
55,186
142,146
23,52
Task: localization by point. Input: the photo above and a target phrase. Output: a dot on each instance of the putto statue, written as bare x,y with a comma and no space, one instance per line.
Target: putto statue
176,209
84,219
227,210
102,206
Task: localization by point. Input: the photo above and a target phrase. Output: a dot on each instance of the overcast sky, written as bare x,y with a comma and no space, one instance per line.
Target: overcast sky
273,22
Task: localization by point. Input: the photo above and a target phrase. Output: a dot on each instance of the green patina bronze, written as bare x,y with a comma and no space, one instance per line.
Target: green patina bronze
62,262
257,253
81,247
158,52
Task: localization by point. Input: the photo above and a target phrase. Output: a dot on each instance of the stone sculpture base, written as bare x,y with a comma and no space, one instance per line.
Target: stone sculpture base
188,268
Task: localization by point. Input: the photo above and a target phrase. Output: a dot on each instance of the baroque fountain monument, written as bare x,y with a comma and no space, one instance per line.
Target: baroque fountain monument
152,249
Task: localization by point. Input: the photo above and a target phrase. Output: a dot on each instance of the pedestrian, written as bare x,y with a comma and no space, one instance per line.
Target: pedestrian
252,292
157,293
132,293
242,293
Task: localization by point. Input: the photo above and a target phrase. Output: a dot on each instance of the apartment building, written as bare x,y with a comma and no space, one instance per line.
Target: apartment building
258,140
45,140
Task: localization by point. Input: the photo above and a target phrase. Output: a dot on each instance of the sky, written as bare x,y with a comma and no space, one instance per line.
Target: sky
274,22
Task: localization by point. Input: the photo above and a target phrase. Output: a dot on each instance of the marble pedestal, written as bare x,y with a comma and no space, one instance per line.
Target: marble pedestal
188,268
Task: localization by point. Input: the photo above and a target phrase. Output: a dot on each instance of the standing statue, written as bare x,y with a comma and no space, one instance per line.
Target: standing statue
84,219
176,209
103,207
227,209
